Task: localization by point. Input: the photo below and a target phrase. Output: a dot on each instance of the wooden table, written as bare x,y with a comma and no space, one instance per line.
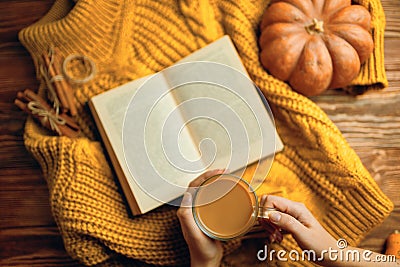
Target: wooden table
28,234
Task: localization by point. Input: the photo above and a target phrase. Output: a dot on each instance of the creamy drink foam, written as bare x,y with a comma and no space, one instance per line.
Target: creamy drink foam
224,207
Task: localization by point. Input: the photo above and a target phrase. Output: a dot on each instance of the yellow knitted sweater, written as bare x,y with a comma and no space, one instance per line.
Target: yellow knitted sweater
130,39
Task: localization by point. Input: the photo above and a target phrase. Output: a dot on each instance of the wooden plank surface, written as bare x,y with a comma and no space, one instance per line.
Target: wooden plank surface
28,234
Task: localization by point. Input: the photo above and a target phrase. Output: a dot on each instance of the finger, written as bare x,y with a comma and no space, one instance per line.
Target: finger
186,202
189,228
296,209
199,180
288,223
263,201
226,171
272,230
276,236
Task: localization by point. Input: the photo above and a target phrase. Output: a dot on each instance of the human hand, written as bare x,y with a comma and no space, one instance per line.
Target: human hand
204,251
296,219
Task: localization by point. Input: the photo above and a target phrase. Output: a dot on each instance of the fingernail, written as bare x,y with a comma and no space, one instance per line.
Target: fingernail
274,216
186,200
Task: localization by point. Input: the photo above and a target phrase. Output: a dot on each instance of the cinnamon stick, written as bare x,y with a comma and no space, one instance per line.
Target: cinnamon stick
57,84
64,84
31,95
21,105
33,104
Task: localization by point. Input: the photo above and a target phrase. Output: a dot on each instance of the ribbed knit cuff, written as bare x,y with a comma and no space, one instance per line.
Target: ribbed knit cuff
372,75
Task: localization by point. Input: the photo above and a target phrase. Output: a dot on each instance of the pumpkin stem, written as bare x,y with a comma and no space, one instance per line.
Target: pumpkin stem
317,26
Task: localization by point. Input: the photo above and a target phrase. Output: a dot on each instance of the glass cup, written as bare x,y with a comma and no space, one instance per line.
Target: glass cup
226,206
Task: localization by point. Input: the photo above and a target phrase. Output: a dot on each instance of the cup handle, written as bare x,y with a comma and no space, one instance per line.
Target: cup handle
263,212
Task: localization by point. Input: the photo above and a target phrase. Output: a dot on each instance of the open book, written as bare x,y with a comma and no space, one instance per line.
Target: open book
163,130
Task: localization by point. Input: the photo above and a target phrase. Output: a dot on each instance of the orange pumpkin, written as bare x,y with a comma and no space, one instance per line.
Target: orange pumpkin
315,45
